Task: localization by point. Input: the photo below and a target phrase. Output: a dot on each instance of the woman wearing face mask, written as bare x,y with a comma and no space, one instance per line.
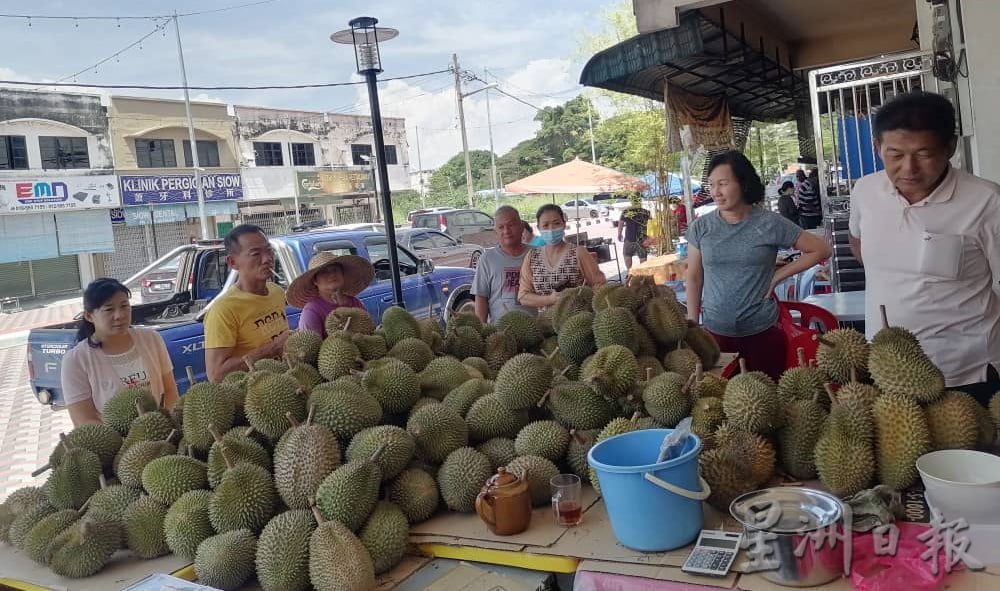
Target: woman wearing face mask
111,355
556,264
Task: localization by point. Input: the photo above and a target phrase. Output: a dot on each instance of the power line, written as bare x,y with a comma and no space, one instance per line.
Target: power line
30,17
504,92
553,95
159,27
174,87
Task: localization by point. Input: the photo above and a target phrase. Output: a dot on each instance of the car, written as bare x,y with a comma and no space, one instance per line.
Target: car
156,282
367,227
439,247
467,225
616,207
582,208
416,212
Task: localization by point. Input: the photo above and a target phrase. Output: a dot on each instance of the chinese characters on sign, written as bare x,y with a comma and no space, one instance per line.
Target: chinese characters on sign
333,182
179,188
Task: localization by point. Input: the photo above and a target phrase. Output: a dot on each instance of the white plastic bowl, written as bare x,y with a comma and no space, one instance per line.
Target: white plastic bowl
962,483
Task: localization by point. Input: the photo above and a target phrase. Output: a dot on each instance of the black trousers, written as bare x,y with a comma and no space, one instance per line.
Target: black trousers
983,391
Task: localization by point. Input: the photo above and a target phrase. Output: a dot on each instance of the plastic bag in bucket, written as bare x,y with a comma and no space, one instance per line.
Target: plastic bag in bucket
653,506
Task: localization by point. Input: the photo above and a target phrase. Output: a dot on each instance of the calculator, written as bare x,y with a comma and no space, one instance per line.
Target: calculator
714,553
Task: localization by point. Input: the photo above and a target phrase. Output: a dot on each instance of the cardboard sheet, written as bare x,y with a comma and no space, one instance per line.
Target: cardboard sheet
543,530
658,573
123,571
401,572
466,577
455,541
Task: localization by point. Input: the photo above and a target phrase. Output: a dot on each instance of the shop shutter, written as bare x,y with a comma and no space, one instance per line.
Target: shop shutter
354,214
170,235
15,280
57,275
132,252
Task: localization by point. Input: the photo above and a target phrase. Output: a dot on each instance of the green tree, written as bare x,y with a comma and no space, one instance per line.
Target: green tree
524,159
772,147
564,131
450,177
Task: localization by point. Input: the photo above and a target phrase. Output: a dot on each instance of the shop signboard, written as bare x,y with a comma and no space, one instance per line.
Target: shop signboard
348,181
179,188
42,194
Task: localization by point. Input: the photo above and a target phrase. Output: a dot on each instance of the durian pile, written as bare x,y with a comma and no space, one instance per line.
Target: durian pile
860,415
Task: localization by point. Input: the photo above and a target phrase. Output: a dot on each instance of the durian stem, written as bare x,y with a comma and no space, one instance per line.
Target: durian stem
248,362
825,342
291,419
579,438
854,374
378,452
214,433
320,520
138,407
635,416
40,470
248,432
102,480
690,384
553,353
309,417
226,458
190,375
62,442
801,354
171,435
347,323
743,365
541,401
885,317
699,371
649,373
83,507
830,393
565,369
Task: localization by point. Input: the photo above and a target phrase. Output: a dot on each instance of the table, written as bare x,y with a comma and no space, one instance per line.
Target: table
847,306
667,267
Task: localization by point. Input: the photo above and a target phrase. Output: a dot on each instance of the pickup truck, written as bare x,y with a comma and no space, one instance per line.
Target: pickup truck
198,273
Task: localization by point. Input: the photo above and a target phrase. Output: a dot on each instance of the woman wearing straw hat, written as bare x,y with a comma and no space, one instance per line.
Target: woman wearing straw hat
331,282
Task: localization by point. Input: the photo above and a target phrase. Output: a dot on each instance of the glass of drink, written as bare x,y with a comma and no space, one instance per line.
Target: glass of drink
566,499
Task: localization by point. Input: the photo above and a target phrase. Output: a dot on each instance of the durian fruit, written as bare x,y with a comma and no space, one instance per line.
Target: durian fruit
143,521
547,439
612,295
283,551
798,437
96,437
344,408
845,465
437,431
240,448
371,347
523,327
995,409
187,523
169,477
614,427
703,343
466,319
683,362
612,371
120,410
898,365
398,324
304,456
851,411
442,375
464,341
112,500
708,385
135,458
392,383
461,398
461,477
303,346
841,352
148,426
752,402
667,398
76,478
645,344
487,418
338,561
757,450
415,492
649,366
349,494
706,416
538,471
728,473
398,449
902,436
522,381
577,406
665,320
36,542
306,375
803,382
499,450
85,547
24,522
498,348
270,396
616,326
246,498
415,353
269,365
19,501
385,535
579,446
353,320
987,430
207,404
953,421
226,561
570,302
479,364
338,357
576,338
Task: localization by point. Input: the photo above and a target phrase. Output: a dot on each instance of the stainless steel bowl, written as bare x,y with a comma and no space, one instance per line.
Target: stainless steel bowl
781,520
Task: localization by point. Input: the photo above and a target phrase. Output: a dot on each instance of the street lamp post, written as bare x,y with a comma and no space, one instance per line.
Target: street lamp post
365,38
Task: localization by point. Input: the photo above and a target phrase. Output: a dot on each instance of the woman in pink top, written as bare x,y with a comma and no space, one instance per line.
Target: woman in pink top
331,282
111,355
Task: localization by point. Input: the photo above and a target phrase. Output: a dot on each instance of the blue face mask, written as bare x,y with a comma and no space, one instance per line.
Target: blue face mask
551,237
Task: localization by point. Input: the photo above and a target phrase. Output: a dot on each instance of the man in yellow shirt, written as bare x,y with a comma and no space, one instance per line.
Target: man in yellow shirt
247,322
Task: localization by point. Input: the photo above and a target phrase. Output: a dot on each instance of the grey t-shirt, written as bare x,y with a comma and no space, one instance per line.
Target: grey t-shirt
739,264
498,276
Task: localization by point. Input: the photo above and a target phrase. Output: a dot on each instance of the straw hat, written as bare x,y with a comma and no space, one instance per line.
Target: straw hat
358,274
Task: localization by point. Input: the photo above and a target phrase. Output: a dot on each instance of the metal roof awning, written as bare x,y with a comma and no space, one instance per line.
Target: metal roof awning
702,57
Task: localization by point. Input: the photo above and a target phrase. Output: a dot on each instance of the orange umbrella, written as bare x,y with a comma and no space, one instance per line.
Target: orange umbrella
577,177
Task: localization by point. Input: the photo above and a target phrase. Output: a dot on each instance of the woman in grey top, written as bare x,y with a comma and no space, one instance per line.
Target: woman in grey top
732,272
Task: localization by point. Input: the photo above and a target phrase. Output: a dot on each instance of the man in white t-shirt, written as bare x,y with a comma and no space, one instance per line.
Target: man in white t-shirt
498,273
928,235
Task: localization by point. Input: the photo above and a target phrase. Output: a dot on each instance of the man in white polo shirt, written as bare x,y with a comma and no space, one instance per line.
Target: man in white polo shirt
928,235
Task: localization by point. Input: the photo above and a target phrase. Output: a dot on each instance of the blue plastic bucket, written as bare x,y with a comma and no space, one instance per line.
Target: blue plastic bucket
653,506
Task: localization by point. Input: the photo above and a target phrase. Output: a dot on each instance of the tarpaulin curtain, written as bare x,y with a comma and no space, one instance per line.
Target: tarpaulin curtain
707,117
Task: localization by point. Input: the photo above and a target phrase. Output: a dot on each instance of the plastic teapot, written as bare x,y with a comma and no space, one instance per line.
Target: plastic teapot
504,503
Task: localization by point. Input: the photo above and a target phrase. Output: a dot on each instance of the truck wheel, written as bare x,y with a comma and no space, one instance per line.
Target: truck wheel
462,302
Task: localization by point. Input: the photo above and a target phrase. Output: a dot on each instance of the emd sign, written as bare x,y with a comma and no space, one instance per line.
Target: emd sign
41,192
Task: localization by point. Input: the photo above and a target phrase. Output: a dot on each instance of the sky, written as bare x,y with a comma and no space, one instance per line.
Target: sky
531,47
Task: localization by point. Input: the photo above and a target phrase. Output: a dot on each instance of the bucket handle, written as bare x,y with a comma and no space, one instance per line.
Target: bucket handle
694,496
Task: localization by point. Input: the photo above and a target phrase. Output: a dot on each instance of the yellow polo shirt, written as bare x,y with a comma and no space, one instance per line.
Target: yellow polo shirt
935,265
245,321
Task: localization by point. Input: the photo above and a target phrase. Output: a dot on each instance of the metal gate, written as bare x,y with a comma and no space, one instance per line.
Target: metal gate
353,214
41,277
845,99
280,221
138,246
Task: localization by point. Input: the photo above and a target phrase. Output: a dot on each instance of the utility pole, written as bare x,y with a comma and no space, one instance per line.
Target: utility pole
461,122
190,125
590,122
493,156
420,168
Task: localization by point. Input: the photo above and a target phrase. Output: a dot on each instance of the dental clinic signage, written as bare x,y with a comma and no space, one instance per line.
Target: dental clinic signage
58,193
179,188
